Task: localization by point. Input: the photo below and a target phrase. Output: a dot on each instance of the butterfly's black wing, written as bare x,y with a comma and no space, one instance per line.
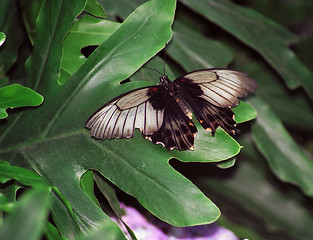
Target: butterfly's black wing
177,130
142,108
212,92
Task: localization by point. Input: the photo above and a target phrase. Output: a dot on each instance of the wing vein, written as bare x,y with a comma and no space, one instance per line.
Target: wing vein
125,122
225,90
231,87
145,118
216,94
173,132
135,119
112,134
108,122
183,135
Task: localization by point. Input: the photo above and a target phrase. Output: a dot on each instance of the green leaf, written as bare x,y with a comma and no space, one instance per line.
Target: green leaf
244,112
72,226
90,31
280,150
2,38
34,207
66,109
53,23
238,229
248,25
101,232
251,193
30,10
136,176
87,184
227,163
22,175
94,8
193,51
73,211
43,67
53,34
291,12
5,204
52,140
147,73
210,149
8,195
4,81
121,8
15,95
52,233
189,48
292,107
109,193
63,217
11,28
220,147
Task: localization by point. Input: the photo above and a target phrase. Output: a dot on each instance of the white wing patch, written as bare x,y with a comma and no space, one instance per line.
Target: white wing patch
132,99
119,118
222,88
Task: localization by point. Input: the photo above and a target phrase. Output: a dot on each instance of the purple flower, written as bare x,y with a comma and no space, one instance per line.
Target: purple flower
158,230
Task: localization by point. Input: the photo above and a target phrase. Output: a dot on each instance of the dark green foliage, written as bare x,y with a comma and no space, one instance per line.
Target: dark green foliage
263,193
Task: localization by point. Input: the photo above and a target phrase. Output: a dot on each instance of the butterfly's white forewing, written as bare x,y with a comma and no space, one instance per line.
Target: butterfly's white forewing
120,117
221,87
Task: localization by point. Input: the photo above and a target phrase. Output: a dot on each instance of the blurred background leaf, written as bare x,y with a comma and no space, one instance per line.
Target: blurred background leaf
34,206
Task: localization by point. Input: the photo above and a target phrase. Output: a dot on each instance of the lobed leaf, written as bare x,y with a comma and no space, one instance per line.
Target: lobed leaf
53,139
16,95
90,31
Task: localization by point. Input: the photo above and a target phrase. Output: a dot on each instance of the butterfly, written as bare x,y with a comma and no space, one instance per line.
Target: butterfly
163,113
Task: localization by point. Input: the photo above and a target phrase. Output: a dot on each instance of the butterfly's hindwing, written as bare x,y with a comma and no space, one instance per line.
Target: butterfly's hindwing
135,109
212,92
177,130
210,117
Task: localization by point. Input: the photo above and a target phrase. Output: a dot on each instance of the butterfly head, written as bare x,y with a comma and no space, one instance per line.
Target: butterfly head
164,79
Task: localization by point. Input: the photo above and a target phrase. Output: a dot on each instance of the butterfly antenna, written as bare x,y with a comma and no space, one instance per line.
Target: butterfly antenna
164,58
154,70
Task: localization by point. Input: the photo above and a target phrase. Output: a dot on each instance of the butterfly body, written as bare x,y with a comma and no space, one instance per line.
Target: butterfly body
163,112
